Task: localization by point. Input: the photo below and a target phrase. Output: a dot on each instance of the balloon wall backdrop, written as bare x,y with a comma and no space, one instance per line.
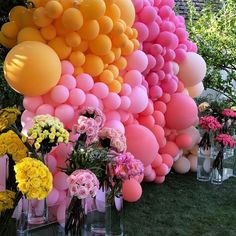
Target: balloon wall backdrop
132,59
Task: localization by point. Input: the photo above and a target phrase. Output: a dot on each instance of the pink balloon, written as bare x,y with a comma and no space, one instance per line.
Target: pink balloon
68,81
162,170
67,68
182,34
160,106
167,26
84,82
32,103
165,98
151,177
167,159
100,90
193,133
48,100
26,117
147,121
113,115
169,3
168,39
138,5
59,94
51,163
180,55
61,213
159,118
116,125
146,150
170,148
142,31
157,161
65,113
139,100
156,49
158,131
125,90
112,101
180,120
159,179
147,15
133,78
137,61
59,181
196,90
151,61
169,86
180,87
62,196
77,97
154,31
125,103
160,62
52,197
132,190
182,165
45,109
149,109
183,141
91,101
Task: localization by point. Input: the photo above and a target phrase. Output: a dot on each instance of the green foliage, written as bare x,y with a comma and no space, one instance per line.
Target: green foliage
214,30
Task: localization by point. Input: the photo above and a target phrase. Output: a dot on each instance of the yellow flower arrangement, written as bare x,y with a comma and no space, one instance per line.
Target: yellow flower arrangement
34,178
47,131
8,117
11,144
6,200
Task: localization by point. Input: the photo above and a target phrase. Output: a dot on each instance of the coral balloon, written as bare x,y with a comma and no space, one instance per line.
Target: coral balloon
132,190
182,165
32,68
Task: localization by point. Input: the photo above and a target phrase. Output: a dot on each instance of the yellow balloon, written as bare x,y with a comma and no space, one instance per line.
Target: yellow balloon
127,11
41,18
106,24
89,30
32,68
93,65
135,43
7,42
49,32
101,45
72,19
118,29
60,47
54,9
10,29
73,39
77,58
92,9
29,34
128,48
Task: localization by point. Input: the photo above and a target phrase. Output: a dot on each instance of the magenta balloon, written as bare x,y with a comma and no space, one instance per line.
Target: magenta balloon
152,79
65,113
112,101
146,47
151,61
169,86
156,49
147,15
91,101
132,190
77,97
170,148
84,82
133,78
180,120
59,181
45,109
165,12
68,81
125,103
139,100
154,31
146,150
182,34
138,5
67,68
125,90
32,103
115,124
59,94
160,62
137,61
155,92
168,39
100,90
192,70
52,197
181,55
167,26
142,31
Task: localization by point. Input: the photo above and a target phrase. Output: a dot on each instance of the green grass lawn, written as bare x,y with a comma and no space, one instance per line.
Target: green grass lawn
183,206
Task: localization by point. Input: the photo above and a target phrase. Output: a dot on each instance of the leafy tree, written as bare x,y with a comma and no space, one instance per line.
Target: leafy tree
214,31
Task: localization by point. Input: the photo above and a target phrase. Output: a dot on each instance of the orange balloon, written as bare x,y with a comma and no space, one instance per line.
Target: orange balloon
83,47
106,24
67,3
7,42
120,41
121,63
92,9
60,47
49,32
29,34
61,30
32,68
73,39
10,29
120,79
35,2
114,70
93,65
128,48
72,19
106,77
77,58
129,32
16,13
41,18
108,58
101,45
135,43
26,19
127,11
89,30
113,12
109,2
78,70
117,52
54,9
135,33
115,86
118,29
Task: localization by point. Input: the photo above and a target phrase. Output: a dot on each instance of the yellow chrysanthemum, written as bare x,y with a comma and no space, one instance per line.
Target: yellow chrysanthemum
6,200
34,178
8,117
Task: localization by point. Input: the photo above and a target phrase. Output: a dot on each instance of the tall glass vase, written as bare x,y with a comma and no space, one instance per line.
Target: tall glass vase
21,215
37,211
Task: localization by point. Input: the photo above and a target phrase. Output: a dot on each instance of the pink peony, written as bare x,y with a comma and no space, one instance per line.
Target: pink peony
229,113
226,140
209,123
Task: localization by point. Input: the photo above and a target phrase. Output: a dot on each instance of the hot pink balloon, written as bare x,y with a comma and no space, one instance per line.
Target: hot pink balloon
167,159
147,14
147,121
32,103
162,170
51,163
157,161
154,31
184,141
142,31
52,197
168,39
170,148
132,190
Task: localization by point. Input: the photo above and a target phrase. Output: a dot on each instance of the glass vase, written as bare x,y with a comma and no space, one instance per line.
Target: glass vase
37,211
94,213
114,214
21,216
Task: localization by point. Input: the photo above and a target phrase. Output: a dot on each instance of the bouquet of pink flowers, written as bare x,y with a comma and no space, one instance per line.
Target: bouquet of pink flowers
209,123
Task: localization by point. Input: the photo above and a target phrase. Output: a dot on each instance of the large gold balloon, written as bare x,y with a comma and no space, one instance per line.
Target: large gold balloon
32,68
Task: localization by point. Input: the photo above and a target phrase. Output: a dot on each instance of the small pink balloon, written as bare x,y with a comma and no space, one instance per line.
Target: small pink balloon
59,181
147,121
142,31
182,165
48,100
138,5
115,124
132,190
160,62
45,109
155,92
67,68
68,81
65,113
160,106
113,115
162,170
167,159
168,39
112,101
180,55
77,97
159,179
32,103
84,82
149,109
169,86
151,61
170,55
147,15
182,34
152,79
159,118
156,49
165,12
59,94
91,101
161,74
137,61
154,31
125,90
157,161
100,90
52,197
167,26
125,103
139,100
159,133
133,78
170,148
151,177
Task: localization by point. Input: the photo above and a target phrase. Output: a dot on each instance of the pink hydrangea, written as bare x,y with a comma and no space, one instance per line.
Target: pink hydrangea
226,140
83,184
116,139
209,123
126,166
229,113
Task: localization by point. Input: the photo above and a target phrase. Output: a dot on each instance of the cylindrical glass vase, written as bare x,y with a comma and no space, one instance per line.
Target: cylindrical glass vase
21,215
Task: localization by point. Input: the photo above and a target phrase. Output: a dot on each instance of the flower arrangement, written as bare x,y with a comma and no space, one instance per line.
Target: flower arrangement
8,117
6,200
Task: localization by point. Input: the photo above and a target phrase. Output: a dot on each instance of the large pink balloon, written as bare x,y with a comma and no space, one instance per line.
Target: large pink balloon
181,112
192,70
142,143
132,190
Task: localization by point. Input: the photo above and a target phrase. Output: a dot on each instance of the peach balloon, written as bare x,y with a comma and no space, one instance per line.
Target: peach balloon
41,18
7,42
193,162
196,90
32,68
54,9
182,165
48,32
132,190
